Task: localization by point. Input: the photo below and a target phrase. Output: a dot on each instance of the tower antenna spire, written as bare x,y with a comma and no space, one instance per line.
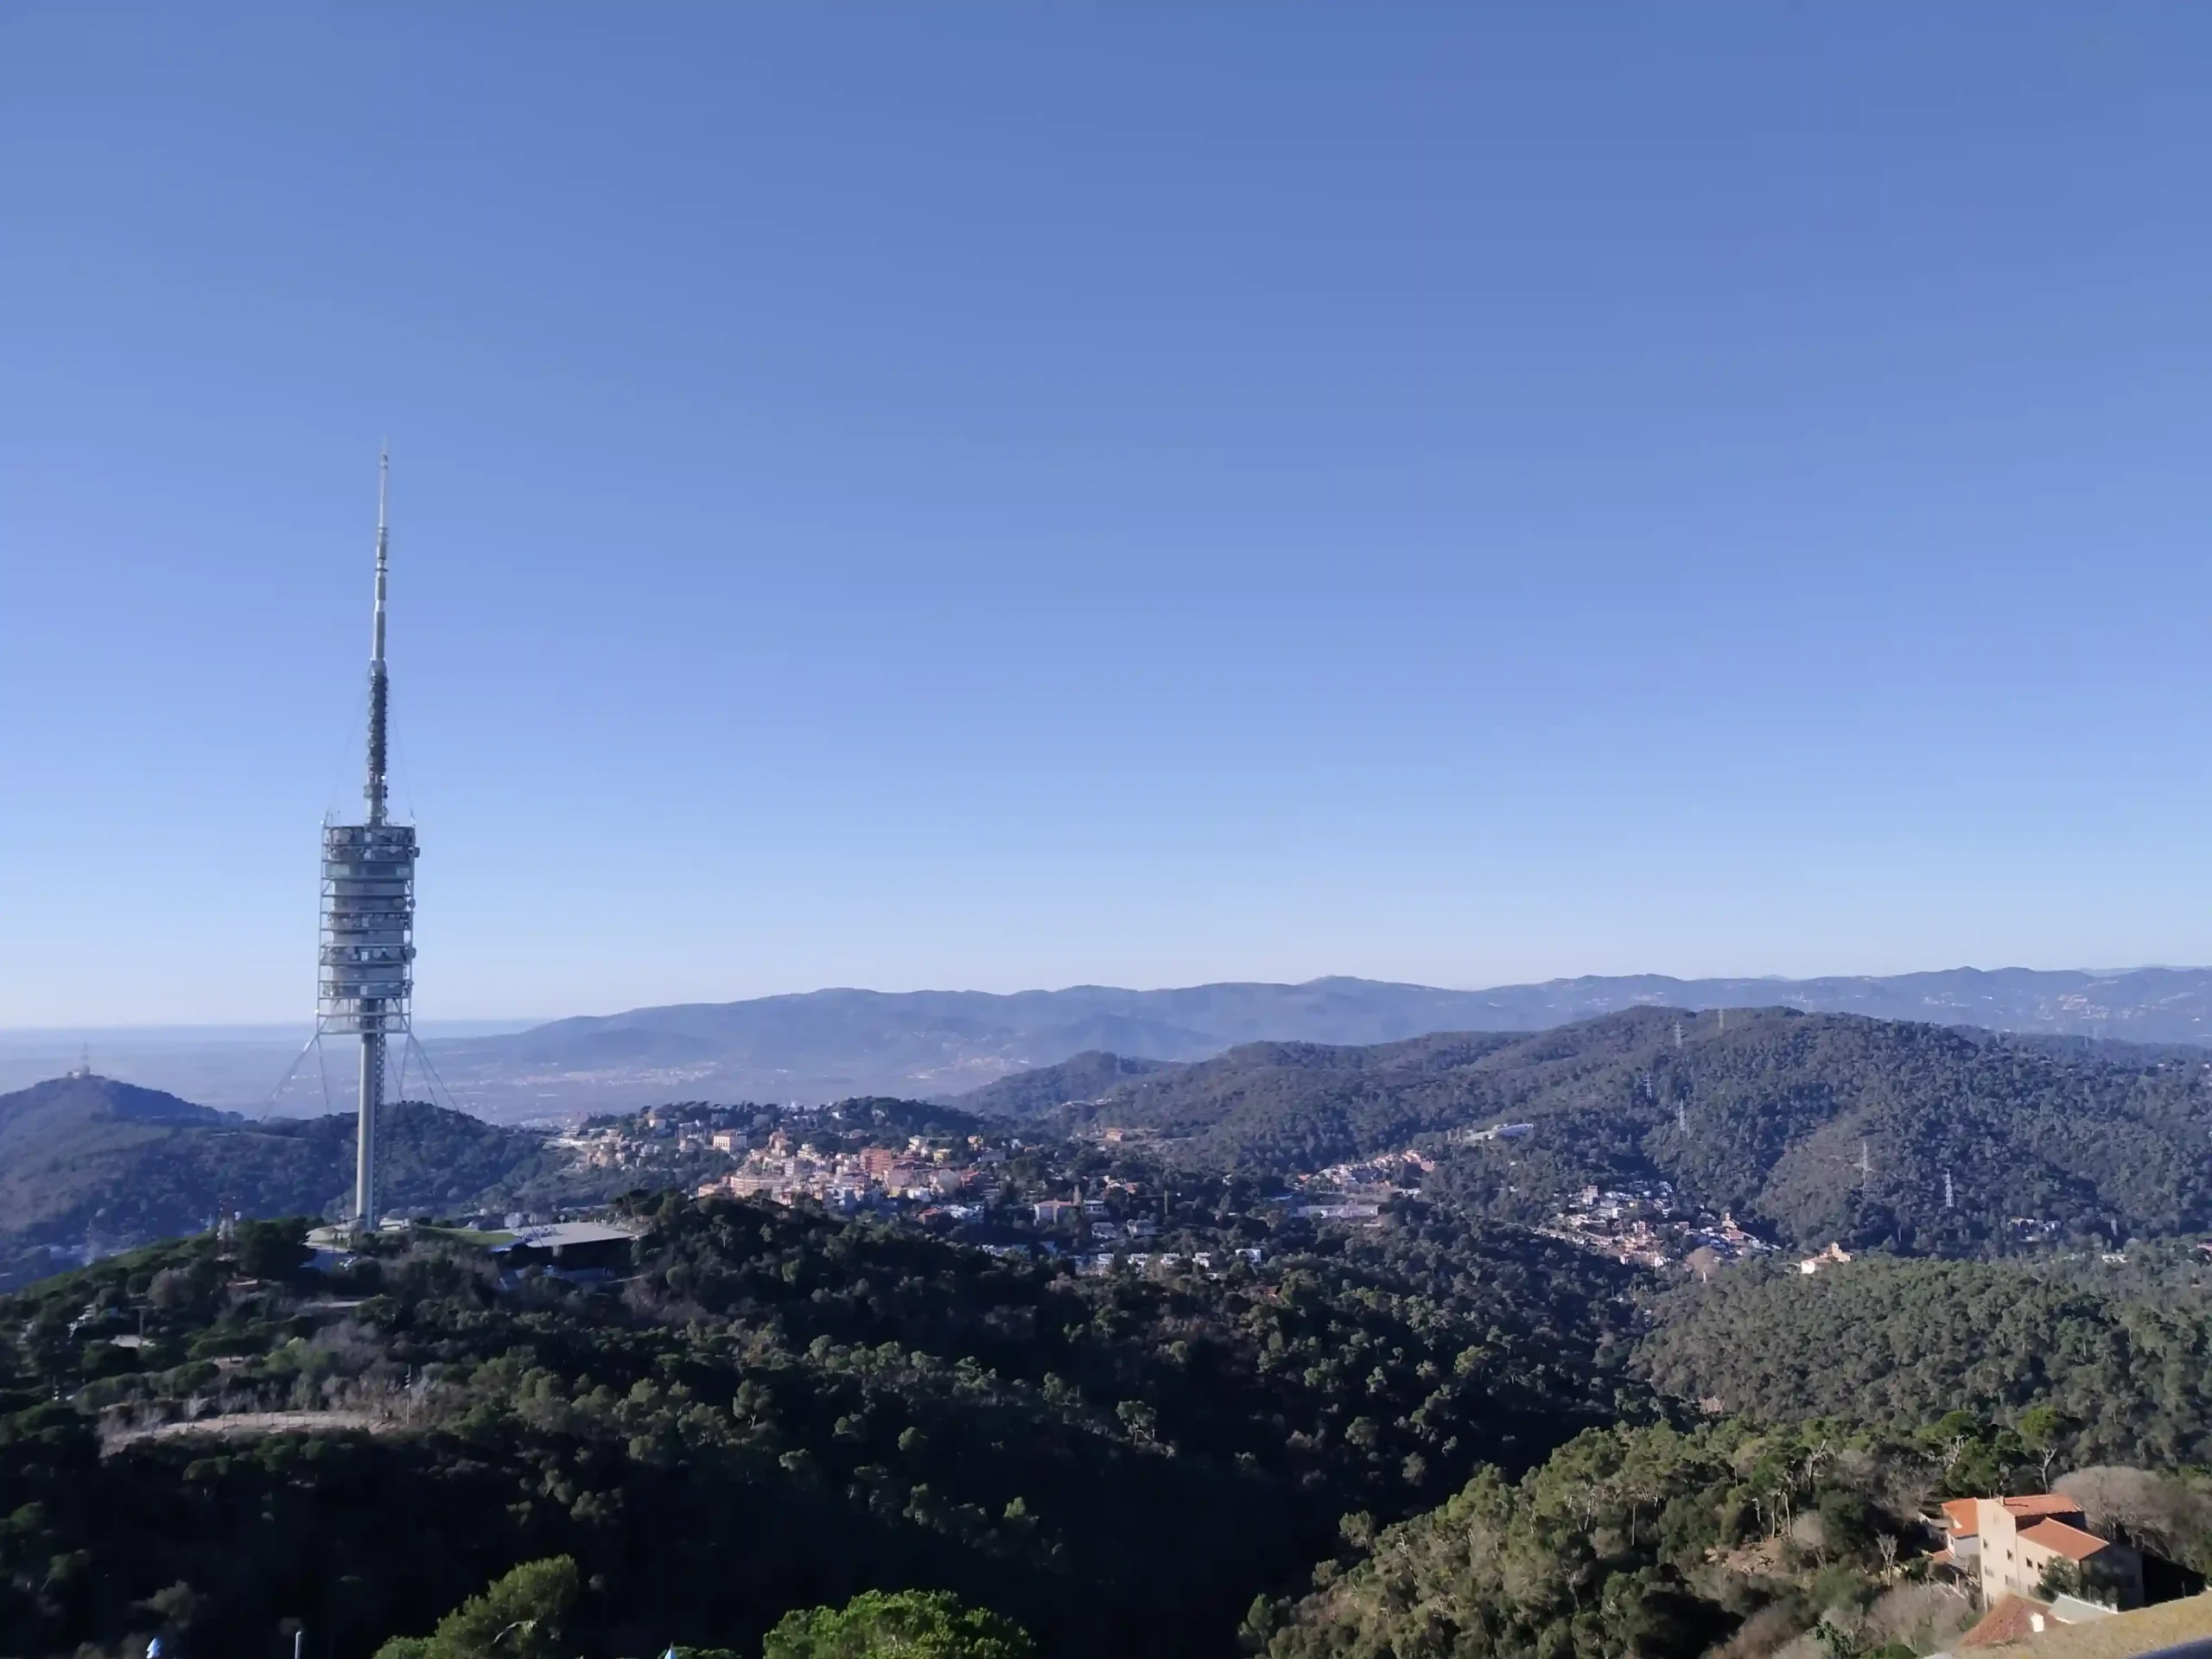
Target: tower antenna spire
374,789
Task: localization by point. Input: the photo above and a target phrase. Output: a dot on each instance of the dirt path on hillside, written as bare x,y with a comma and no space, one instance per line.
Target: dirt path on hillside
248,1425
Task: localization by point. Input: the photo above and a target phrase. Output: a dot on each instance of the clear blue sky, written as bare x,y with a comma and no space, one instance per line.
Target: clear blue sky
1008,495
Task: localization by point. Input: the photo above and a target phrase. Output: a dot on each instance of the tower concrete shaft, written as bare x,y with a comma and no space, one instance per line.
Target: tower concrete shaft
364,1137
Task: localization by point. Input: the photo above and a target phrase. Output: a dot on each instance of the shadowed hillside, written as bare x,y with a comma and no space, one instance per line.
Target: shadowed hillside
88,1159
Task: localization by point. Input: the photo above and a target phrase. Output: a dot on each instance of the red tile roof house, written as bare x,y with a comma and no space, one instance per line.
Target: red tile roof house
1962,1549
2014,1618
2016,1541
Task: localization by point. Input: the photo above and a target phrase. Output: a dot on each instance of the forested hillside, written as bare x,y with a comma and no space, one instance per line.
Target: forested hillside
773,1409
59,1140
88,1158
780,1409
2122,1365
1045,1088
1731,1541
1824,1126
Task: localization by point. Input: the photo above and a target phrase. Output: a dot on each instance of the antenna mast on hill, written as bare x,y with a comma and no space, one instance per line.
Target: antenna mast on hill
1947,1189
1866,1164
366,980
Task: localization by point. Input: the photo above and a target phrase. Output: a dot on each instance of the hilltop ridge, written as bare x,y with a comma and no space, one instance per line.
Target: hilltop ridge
828,1045
88,1160
1823,1126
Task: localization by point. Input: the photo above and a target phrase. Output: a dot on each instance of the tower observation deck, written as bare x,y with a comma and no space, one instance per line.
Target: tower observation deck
366,981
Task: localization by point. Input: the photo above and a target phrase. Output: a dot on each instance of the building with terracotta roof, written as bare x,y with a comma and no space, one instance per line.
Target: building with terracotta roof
2172,1629
2039,1503
2021,1539
2014,1619
1833,1256
2071,1541
1962,1550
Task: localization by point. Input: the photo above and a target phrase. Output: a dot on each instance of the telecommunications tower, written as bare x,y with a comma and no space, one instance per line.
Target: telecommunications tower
367,947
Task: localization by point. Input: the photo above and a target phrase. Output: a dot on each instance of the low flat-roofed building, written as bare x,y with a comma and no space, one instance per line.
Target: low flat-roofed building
569,1244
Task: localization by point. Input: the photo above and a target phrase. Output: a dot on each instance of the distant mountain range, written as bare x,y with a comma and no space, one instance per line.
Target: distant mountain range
1817,1127
830,1044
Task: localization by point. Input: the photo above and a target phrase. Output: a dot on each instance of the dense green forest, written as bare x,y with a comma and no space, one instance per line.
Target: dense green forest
1665,1544
527,1611
1856,1398
780,1409
2126,1363
1042,1090
777,1410
1767,1113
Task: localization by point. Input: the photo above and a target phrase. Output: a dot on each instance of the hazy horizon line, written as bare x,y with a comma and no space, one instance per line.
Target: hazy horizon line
298,1030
